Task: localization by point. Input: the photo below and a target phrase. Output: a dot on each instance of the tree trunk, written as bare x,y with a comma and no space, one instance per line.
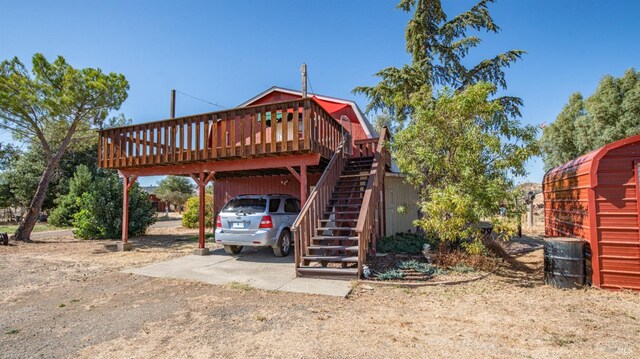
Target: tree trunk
30,218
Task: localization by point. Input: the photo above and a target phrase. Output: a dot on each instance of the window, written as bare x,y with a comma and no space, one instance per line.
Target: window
274,205
246,205
291,205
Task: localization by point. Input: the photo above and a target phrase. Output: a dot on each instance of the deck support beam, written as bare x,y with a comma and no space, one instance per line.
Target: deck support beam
302,178
202,179
127,183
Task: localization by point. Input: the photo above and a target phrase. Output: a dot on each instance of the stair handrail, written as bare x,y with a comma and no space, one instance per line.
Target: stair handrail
306,222
371,199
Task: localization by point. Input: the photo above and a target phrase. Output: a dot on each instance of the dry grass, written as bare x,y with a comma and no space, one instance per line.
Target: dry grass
110,314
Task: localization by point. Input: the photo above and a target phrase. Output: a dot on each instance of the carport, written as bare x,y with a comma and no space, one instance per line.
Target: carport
248,145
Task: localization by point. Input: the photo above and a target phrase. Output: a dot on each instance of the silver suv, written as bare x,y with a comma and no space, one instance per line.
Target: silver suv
257,220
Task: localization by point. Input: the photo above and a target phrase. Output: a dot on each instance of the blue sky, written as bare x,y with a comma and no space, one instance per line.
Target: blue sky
228,51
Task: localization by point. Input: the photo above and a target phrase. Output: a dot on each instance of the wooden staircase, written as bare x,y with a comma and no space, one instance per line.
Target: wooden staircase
340,221
334,246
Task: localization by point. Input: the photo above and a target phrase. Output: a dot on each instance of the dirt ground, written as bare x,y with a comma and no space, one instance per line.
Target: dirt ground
67,298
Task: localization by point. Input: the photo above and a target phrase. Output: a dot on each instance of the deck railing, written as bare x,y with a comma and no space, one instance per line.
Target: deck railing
277,128
305,225
368,147
367,227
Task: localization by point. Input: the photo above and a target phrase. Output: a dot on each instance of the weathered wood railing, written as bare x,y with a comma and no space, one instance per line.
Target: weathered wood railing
305,225
291,126
368,147
367,228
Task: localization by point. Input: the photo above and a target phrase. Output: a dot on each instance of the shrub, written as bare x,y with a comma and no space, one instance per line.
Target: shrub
404,243
100,215
391,274
68,205
422,267
190,216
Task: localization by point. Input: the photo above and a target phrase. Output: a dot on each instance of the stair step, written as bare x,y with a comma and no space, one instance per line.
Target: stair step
347,192
340,248
346,199
338,259
352,176
334,238
351,186
342,212
328,273
353,205
340,220
321,229
363,158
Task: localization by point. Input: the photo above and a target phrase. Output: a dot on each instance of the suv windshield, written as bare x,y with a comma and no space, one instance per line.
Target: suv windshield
246,205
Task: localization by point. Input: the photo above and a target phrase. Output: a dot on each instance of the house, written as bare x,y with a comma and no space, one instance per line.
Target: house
158,204
320,149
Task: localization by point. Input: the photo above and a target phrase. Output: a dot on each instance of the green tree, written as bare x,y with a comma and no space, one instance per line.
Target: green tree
191,215
8,155
610,114
459,147
175,190
101,208
466,177
438,46
53,107
69,204
558,142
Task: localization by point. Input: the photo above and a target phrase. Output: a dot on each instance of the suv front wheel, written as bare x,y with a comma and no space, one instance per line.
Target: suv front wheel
283,245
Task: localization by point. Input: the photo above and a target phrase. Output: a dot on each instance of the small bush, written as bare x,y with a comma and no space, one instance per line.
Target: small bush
100,215
68,205
190,216
404,243
391,274
422,267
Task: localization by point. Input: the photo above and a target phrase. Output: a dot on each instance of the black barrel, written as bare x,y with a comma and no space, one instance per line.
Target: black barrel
564,263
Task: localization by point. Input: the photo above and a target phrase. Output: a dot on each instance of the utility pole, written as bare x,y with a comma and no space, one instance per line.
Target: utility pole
173,104
304,80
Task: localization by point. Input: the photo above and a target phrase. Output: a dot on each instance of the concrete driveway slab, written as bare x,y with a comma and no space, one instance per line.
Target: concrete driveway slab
258,268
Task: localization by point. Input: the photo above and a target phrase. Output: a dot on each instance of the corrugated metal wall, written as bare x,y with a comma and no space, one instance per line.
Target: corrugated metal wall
566,205
398,193
595,197
616,201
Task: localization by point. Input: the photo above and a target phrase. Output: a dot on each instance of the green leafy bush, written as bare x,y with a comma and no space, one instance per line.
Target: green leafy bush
68,205
100,215
190,216
404,243
391,274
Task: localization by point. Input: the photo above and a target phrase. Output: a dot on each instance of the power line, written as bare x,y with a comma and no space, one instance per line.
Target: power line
199,99
310,85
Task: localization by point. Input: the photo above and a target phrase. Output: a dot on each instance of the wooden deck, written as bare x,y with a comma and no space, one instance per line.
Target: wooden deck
279,129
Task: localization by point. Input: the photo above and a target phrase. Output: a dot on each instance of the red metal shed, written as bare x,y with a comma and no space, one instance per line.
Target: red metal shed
595,197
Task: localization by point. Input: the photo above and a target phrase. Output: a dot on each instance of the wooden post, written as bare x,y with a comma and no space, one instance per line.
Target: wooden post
127,182
172,113
302,178
125,209
201,193
304,80
202,179
303,184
